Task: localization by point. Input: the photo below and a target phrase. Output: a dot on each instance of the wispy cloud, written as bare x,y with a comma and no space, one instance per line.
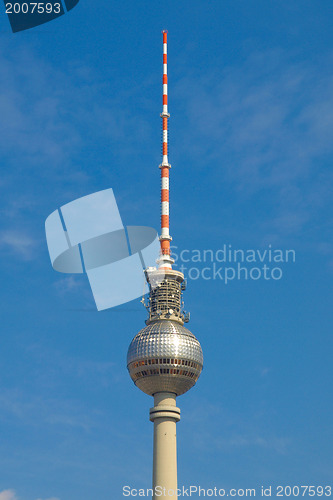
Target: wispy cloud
265,126
277,444
99,373
234,431
48,114
36,409
72,365
51,498
235,439
56,124
17,206
68,284
43,405
18,243
33,123
11,495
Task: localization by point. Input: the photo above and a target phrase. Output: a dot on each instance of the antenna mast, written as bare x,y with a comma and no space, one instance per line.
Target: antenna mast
165,261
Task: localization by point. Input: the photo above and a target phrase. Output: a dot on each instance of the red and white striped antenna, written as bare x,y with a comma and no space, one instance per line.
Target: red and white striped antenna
165,260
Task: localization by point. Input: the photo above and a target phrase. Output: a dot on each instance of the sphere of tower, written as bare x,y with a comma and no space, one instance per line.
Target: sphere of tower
164,357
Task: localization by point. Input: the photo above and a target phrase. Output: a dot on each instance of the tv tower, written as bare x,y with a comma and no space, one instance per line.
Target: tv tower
165,359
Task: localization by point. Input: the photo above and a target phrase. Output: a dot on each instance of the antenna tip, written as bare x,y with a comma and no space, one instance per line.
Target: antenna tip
164,31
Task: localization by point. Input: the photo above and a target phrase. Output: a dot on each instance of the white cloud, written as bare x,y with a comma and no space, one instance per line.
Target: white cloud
8,495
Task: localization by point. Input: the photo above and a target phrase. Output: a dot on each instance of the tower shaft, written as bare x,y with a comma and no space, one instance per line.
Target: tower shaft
165,359
165,415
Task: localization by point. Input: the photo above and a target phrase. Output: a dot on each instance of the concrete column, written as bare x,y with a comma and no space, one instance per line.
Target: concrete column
165,414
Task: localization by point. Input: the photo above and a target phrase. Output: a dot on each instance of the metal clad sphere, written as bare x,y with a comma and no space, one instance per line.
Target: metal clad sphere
164,356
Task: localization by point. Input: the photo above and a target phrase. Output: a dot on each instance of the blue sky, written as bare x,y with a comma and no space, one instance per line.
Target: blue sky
251,148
